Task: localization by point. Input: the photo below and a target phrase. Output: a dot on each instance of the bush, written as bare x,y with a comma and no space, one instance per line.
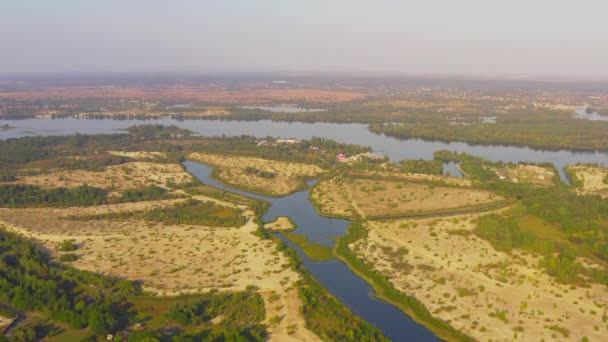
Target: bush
69,257
67,246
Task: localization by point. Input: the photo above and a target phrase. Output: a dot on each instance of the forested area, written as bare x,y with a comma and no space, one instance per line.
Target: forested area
22,196
88,151
191,211
306,151
30,281
19,196
534,130
580,219
236,309
429,167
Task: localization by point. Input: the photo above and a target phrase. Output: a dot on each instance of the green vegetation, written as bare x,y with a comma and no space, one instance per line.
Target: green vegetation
190,211
429,167
572,177
19,196
313,250
92,163
148,193
307,151
22,196
28,281
325,315
385,290
57,293
552,221
7,176
235,309
67,246
260,173
533,127
68,257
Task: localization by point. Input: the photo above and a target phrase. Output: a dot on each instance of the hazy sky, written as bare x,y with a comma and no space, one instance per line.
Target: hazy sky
515,37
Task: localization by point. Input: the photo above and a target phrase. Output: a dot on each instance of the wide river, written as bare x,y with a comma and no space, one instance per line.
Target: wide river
333,274
347,133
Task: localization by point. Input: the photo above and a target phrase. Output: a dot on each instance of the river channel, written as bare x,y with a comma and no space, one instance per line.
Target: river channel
335,276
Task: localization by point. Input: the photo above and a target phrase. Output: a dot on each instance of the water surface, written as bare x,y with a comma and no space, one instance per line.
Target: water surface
285,109
347,133
334,275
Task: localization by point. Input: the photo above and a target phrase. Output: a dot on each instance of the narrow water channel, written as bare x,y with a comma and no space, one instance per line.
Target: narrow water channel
334,275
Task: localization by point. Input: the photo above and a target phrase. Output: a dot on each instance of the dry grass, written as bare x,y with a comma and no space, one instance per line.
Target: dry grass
115,177
232,170
465,281
376,198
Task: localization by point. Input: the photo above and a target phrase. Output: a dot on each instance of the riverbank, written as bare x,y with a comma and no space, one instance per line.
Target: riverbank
384,289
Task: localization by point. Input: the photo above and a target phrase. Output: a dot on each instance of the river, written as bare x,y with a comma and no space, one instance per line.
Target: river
335,276
347,133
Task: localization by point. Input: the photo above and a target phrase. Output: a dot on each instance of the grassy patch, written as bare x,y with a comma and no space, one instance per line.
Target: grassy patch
313,250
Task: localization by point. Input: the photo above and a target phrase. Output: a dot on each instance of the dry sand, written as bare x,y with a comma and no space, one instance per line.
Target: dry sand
280,223
375,198
232,170
464,280
115,177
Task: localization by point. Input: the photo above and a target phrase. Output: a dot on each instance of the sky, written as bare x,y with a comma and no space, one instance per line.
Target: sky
515,38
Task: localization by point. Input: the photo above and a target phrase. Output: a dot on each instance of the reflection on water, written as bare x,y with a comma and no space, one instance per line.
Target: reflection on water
581,113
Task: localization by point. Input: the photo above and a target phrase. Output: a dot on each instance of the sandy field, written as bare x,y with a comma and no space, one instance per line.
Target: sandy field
527,174
487,294
232,170
417,177
215,95
592,179
369,198
281,223
139,155
114,177
172,259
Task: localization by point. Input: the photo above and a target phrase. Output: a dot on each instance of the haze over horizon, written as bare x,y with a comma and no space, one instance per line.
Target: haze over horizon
472,37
